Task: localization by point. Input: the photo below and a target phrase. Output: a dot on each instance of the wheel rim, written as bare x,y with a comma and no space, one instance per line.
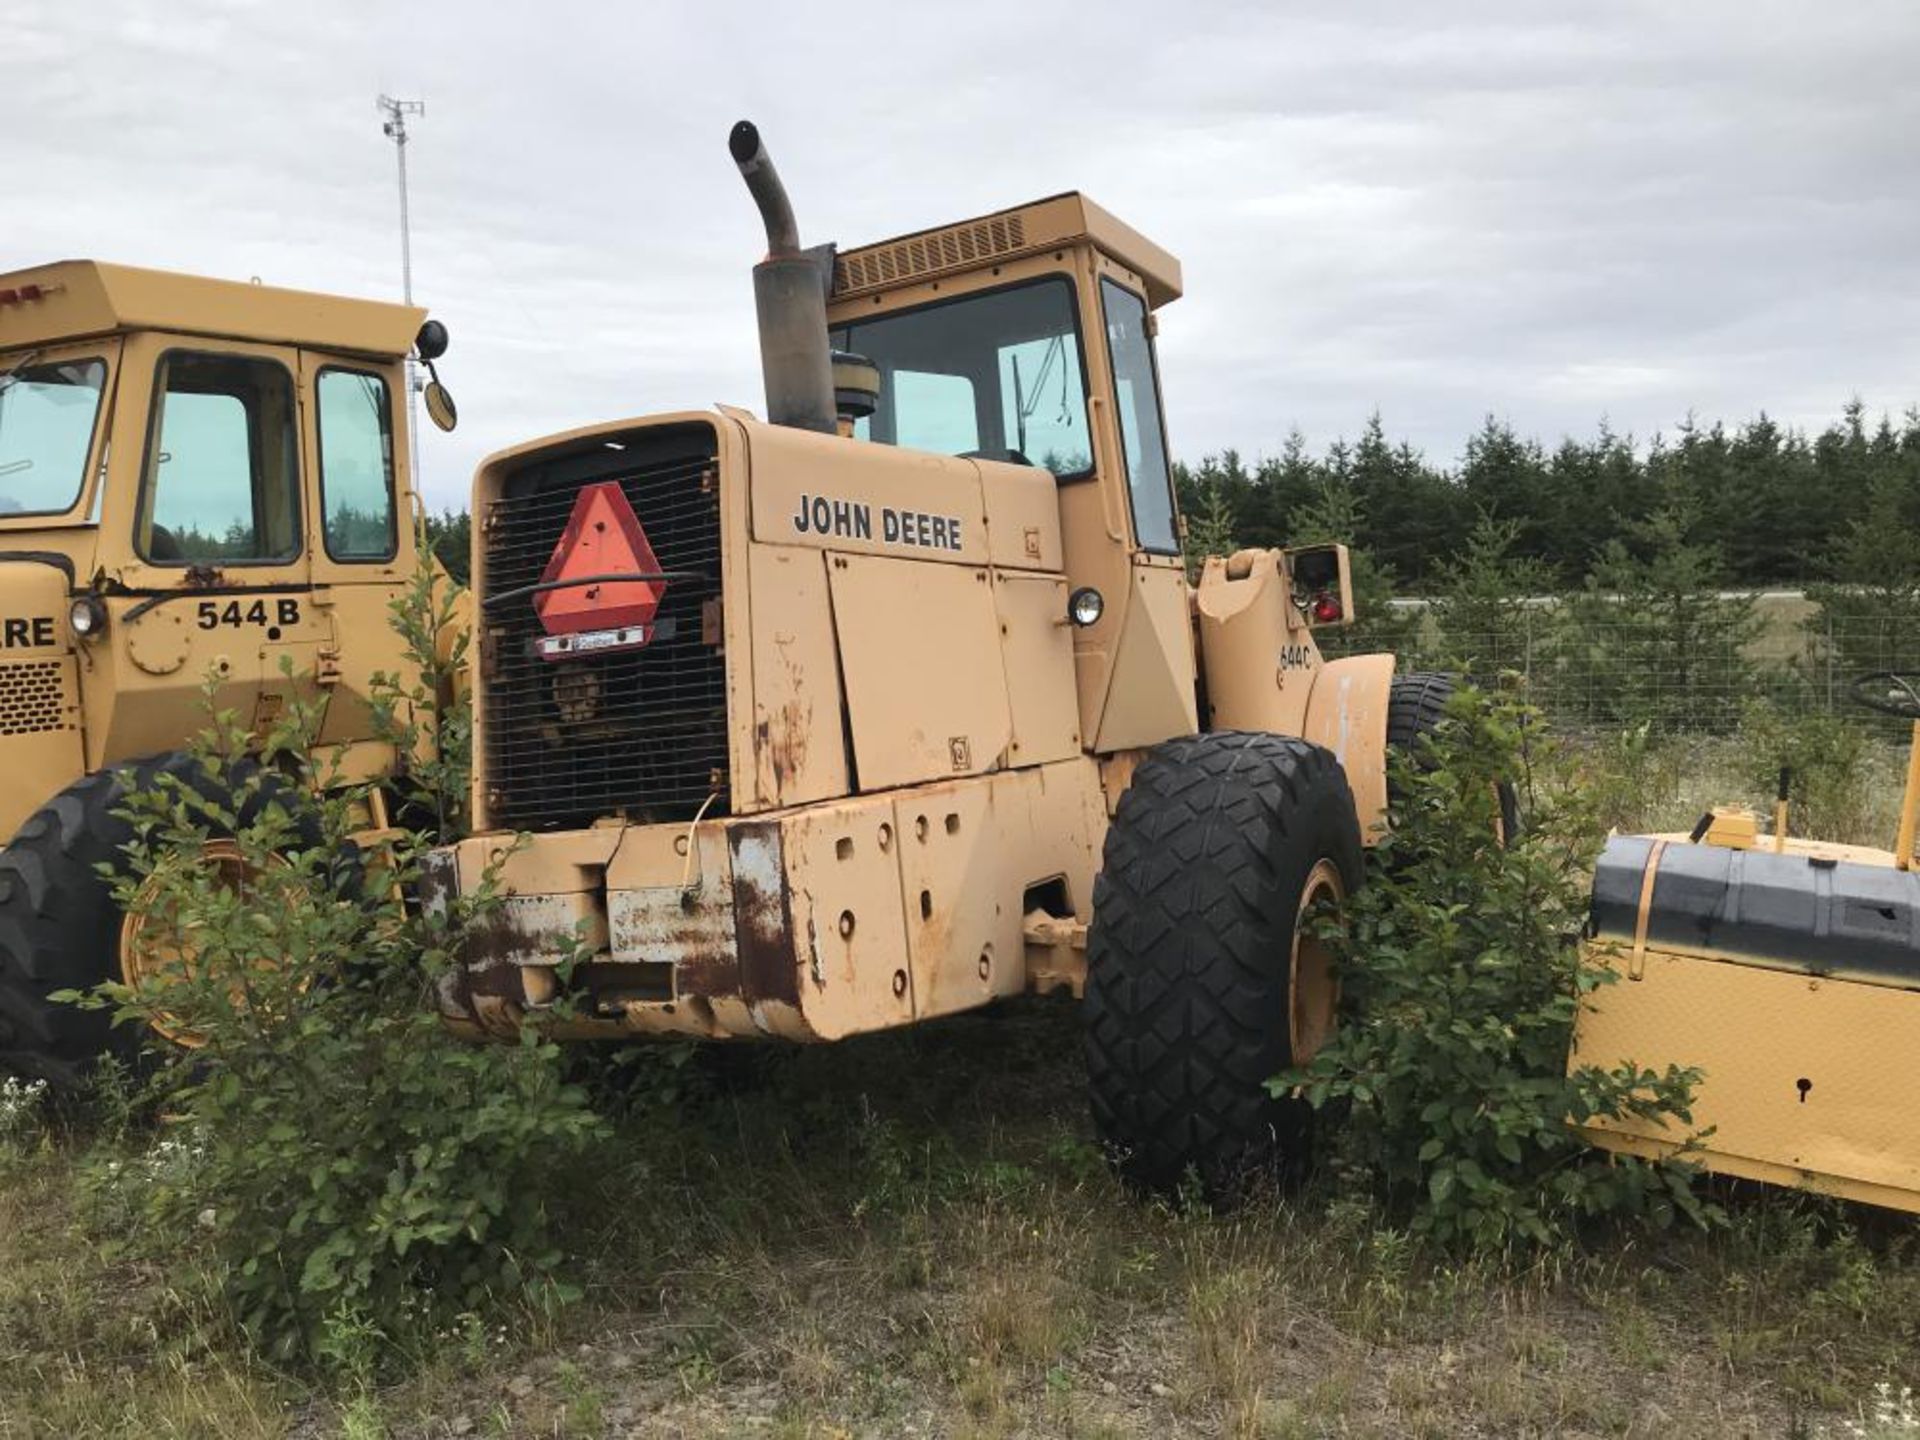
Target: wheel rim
151,949
1313,990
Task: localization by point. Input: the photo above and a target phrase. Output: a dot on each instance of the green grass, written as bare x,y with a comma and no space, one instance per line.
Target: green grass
914,1234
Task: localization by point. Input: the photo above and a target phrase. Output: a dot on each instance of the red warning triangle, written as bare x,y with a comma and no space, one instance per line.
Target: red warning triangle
603,537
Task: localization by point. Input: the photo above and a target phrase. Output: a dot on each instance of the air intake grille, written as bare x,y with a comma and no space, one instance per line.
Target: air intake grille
641,732
927,254
33,697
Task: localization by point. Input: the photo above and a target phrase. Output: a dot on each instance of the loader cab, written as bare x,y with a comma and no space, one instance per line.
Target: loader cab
1027,337
197,478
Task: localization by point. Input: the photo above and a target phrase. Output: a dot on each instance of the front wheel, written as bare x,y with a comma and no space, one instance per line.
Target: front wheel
61,927
1203,981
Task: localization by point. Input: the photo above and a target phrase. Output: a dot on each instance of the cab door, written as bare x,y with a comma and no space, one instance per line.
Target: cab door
203,541
361,532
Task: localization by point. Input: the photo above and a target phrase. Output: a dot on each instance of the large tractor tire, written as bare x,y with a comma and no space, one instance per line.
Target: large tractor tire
61,928
1415,707
1202,983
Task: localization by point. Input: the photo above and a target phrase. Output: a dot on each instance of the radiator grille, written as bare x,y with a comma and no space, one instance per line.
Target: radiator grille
641,733
33,697
926,254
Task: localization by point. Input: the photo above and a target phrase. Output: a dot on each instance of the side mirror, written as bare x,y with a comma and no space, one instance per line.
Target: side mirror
1322,584
440,407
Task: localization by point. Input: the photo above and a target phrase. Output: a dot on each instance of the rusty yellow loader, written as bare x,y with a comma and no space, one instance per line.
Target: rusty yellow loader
899,701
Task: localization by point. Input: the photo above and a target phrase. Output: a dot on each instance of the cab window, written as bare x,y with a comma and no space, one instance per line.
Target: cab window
221,482
995,374
356,466
1137,400
47,415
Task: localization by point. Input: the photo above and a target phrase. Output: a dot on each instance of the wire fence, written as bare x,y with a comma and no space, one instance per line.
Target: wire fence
1673,676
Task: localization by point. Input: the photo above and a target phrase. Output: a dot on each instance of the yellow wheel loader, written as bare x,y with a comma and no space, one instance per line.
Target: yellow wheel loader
1788,970
900,702
197,479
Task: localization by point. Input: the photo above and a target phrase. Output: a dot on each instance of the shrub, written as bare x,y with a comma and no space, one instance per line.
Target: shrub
1829,788
1451,1073
333,1155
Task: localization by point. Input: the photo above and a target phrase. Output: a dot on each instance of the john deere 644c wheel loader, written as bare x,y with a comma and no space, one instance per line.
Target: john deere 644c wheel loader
197,478
901,702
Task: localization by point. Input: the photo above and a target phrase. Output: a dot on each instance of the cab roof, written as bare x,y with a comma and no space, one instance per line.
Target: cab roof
78,299
1023,230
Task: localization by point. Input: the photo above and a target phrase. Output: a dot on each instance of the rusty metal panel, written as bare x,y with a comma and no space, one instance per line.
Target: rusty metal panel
1036,647
969,852
920,651
847,922
826,492
799,750
1023,516
1151,696
539,929
1347,713
1825,1101
763,913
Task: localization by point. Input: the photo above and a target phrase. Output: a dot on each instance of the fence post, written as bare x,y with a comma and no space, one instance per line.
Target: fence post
1829,619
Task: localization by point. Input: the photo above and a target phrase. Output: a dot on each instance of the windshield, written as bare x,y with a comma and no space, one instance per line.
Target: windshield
995,375
46,427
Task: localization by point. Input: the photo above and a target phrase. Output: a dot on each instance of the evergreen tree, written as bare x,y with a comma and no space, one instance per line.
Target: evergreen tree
1486,615
1650,639
1868,617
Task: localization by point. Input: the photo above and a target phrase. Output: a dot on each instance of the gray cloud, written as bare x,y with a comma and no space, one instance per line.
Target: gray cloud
1548,213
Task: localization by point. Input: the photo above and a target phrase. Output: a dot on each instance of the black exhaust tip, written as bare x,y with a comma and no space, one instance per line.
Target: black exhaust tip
743,141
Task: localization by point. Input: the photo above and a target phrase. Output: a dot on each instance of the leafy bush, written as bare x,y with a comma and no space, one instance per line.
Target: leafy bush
335,1157
1626,779
425,712
1829,792
1451,1075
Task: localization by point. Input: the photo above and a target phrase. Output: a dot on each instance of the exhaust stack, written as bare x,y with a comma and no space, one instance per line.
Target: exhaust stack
790,297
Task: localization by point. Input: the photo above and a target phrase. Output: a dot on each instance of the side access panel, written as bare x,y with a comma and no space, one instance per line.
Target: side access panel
920,650
41,742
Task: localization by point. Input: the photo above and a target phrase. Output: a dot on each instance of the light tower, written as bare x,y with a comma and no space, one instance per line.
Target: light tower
395,129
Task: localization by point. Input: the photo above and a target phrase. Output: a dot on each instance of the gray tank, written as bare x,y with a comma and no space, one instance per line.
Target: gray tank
1786,912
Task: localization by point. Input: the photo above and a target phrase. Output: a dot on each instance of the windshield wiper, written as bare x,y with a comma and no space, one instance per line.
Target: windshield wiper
6,375
14,467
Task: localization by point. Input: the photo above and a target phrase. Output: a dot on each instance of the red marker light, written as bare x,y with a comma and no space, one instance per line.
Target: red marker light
30,292
1326,609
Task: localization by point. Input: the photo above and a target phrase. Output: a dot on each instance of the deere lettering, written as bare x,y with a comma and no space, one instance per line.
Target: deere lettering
32,633
853,520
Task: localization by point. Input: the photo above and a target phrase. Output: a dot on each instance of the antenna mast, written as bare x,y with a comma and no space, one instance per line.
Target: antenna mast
395,129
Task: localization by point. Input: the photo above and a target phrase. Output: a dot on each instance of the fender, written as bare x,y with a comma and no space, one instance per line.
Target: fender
1347,713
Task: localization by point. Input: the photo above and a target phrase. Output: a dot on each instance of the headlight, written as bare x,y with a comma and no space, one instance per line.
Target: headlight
87,617
1085,606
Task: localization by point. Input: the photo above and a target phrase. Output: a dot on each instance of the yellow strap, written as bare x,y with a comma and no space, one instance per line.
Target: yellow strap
1637,961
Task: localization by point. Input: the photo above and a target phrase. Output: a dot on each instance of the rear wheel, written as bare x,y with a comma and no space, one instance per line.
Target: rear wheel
1202,981
62,929
1416,706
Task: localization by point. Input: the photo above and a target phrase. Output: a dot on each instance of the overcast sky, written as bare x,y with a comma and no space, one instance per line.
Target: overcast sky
1545,212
